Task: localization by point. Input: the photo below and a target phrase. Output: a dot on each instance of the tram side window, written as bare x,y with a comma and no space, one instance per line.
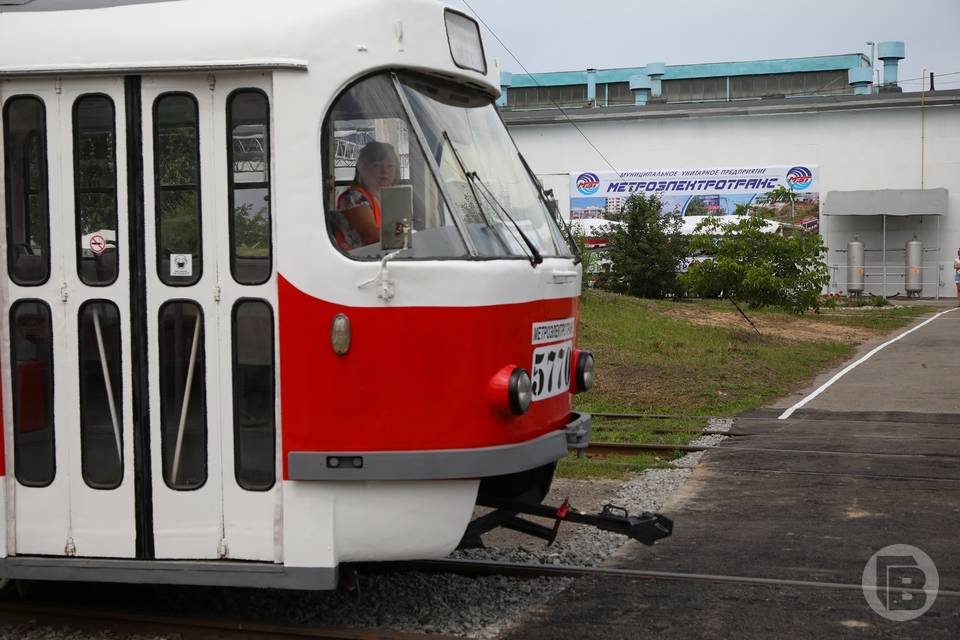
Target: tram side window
369,145
254,426
101,397
95,187
183,408
27,200
176,145
248,156
31,358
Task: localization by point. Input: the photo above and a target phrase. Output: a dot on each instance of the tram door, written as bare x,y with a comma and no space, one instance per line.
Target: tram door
209,315
67,403
197,286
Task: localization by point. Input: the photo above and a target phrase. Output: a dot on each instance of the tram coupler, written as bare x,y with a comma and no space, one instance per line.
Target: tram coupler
646,528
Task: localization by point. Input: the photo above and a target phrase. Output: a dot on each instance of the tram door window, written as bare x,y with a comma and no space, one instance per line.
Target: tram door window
27,199
183,429
177,182
254,424
101,397
95,189
248,175
31,355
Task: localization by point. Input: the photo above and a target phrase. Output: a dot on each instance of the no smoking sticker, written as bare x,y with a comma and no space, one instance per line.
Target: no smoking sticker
97,244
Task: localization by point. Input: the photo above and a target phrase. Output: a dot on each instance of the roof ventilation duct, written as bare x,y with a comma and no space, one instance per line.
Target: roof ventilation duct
891,53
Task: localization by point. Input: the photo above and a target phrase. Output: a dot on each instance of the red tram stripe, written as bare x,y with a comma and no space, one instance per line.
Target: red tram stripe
414,378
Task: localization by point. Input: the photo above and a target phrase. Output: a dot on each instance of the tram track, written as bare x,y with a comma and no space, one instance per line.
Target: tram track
480,568
629,448
183,628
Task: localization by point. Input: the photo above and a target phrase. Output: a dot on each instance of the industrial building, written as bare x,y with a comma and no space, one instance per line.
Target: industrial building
869,162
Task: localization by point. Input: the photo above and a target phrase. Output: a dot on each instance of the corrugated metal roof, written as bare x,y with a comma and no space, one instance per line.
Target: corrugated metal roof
707,70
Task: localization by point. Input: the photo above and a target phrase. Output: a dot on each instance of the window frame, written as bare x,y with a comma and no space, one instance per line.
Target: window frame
231,186
76,188
8,191
158,190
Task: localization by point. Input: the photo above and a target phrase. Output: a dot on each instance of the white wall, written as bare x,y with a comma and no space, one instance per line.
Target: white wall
892,148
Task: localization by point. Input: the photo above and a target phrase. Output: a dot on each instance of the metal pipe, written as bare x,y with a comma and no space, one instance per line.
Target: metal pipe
174,472
884,255
939,265
105,368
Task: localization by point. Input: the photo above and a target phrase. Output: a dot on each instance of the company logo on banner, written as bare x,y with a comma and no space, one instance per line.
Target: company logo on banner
701,191
588,183
799,178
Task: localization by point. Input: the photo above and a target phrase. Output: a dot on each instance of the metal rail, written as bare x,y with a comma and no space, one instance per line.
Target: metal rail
526,571
189,628
614,448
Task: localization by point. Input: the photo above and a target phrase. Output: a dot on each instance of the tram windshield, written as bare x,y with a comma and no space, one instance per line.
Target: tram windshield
442,155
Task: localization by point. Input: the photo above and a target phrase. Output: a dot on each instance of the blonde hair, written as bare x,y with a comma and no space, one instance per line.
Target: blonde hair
377,152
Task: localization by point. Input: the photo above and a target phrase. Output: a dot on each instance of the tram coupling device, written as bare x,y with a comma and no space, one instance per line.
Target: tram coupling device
645,528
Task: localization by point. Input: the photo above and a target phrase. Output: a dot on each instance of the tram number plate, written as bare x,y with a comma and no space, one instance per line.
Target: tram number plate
551,370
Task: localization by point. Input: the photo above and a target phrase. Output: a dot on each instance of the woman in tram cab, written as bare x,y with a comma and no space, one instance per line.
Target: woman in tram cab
357,222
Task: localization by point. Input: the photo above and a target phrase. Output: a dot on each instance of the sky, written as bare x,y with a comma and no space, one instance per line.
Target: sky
561,35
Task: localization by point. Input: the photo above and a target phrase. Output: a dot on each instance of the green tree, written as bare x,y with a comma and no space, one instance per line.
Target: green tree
646,250
778,195
748,264
696,207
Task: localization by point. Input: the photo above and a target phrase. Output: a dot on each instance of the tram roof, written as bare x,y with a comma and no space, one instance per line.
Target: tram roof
123,36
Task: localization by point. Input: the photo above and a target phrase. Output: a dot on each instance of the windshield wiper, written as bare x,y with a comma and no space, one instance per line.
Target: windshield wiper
551,204
474,180
535,257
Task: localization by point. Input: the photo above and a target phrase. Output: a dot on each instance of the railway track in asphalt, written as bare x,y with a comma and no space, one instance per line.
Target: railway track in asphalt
56,615
479,568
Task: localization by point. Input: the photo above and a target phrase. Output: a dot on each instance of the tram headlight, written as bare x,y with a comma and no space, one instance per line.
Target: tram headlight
510,391
463,34
584,371
520,392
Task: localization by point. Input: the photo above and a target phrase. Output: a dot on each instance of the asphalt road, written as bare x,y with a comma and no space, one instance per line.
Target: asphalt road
873,461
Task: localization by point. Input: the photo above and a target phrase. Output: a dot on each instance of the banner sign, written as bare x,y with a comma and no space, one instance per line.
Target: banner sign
697,192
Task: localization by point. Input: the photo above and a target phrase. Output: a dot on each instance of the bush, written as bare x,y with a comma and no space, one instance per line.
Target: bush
749,265
645,251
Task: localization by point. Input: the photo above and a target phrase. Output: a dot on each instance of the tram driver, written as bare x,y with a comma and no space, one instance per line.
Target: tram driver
358,216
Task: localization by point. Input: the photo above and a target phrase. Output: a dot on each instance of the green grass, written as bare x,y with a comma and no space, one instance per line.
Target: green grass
650,361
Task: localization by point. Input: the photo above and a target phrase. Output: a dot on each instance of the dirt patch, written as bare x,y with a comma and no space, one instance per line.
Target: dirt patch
799,328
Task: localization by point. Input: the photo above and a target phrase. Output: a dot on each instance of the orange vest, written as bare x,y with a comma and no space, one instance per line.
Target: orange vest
339,237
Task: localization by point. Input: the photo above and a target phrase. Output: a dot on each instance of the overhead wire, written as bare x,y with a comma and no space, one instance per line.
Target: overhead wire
563,111
530,75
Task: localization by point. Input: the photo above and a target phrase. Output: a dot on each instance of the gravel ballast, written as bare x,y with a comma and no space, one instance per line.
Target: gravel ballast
480,607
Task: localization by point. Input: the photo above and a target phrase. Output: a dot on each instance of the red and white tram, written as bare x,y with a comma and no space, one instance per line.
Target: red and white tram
195,372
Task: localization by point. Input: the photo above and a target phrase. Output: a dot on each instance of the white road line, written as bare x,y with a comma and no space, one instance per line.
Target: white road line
850,367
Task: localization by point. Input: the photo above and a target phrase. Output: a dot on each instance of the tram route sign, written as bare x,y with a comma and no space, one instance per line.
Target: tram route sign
97,244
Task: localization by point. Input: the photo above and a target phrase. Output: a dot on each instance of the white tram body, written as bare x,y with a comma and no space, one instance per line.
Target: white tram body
193,373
